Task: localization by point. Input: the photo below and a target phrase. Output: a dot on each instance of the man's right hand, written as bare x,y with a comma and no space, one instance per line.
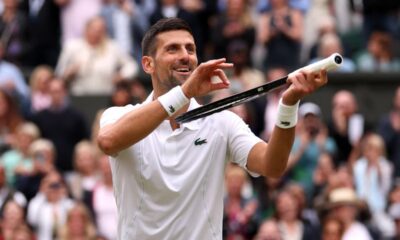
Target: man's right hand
199,83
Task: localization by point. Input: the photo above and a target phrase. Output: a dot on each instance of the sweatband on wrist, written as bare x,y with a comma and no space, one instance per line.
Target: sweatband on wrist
173,100
287,115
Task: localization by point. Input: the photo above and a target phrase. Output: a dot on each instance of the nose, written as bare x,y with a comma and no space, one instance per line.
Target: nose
184,55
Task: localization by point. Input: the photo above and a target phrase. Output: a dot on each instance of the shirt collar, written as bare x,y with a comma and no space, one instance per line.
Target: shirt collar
192,125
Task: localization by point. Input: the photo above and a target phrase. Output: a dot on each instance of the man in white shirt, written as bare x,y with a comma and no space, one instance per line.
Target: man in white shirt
168,177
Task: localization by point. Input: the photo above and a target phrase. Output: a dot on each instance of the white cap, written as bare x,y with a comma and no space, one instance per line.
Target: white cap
309,108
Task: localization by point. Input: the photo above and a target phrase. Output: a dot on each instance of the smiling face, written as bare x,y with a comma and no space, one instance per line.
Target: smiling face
173,61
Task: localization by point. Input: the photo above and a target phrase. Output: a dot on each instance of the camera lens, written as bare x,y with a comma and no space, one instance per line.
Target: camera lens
338,59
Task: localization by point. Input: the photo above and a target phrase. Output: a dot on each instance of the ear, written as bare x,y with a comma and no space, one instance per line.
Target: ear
148,64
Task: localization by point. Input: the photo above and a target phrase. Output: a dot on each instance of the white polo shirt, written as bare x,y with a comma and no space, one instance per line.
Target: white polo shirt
170,185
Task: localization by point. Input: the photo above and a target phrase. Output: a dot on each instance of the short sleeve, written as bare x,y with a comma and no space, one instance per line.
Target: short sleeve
112,114
240,141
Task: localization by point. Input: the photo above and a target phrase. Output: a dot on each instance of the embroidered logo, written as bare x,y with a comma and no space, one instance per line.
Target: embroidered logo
171,109
200,142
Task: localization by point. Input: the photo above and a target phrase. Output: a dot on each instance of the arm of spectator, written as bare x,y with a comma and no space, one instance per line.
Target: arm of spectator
264,29
66,68
62,3
294,31
34,208
129,67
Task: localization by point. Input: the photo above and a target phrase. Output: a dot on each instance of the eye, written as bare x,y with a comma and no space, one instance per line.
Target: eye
191,49
172,49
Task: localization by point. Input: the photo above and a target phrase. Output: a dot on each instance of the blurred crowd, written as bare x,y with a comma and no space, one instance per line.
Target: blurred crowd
343,177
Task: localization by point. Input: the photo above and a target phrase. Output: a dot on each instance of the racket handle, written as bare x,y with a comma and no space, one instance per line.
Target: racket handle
330,63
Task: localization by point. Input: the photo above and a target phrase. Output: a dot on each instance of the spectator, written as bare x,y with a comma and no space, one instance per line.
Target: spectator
39,83
125,24
311,140
7,193
240,218
394,213
82,181
44,31
280,30
121,95
329,44
104,202
14,33
93,64
344,204
10,119
325,170
290,223
389,129
269,230
79,225
373,173
13,216
26,134
346,127
74,16
373,180
12,79
62,124
42,161
23,232
173,8
272,100
234,24
48,210
332,229
379,54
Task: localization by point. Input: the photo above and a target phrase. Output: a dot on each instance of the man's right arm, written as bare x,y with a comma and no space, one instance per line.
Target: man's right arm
131,128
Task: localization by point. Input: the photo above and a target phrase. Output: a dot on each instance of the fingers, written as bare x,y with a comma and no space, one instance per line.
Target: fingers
224,83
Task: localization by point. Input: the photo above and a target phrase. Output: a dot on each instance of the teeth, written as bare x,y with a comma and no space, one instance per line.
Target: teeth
183,70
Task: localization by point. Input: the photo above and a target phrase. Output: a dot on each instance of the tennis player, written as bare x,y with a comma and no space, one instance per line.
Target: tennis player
168,178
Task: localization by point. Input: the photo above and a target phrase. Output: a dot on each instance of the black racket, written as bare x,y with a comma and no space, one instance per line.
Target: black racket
329,63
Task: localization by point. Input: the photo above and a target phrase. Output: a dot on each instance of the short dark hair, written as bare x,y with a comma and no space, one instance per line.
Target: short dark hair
162,25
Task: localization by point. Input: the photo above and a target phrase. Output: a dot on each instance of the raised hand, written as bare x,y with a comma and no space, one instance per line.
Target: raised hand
200,81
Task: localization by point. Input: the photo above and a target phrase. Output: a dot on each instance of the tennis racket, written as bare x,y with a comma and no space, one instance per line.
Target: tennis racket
329,63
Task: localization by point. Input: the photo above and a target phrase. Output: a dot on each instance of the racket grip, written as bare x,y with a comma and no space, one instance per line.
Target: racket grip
330,63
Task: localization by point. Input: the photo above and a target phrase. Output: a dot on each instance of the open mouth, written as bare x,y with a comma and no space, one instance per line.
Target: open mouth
183,70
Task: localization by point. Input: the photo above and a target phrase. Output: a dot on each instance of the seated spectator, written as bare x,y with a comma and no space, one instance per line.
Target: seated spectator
269,230
394,213
79,224
26,134
41,162
344,205
389,129
290,223
48,210
12,80
311,140
104,203
325,170
240,218
378,57
329,44
373,174
10,119
93,64
8,194
39,82
82,181
332,229
13,217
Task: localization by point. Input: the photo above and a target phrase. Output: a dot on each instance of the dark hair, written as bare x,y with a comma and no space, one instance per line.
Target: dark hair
163,25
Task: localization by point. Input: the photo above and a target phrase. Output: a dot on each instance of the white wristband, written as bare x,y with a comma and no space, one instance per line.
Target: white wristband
287,115
173,100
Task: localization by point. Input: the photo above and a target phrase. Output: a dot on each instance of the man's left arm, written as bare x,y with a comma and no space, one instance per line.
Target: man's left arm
270,159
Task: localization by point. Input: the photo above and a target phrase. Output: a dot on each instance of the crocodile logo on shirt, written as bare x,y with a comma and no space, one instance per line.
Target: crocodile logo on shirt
200,142
171,109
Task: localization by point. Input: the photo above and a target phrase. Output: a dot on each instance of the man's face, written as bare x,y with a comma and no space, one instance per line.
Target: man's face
175,58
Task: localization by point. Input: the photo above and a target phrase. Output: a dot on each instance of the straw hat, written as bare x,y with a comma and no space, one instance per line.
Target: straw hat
343,196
